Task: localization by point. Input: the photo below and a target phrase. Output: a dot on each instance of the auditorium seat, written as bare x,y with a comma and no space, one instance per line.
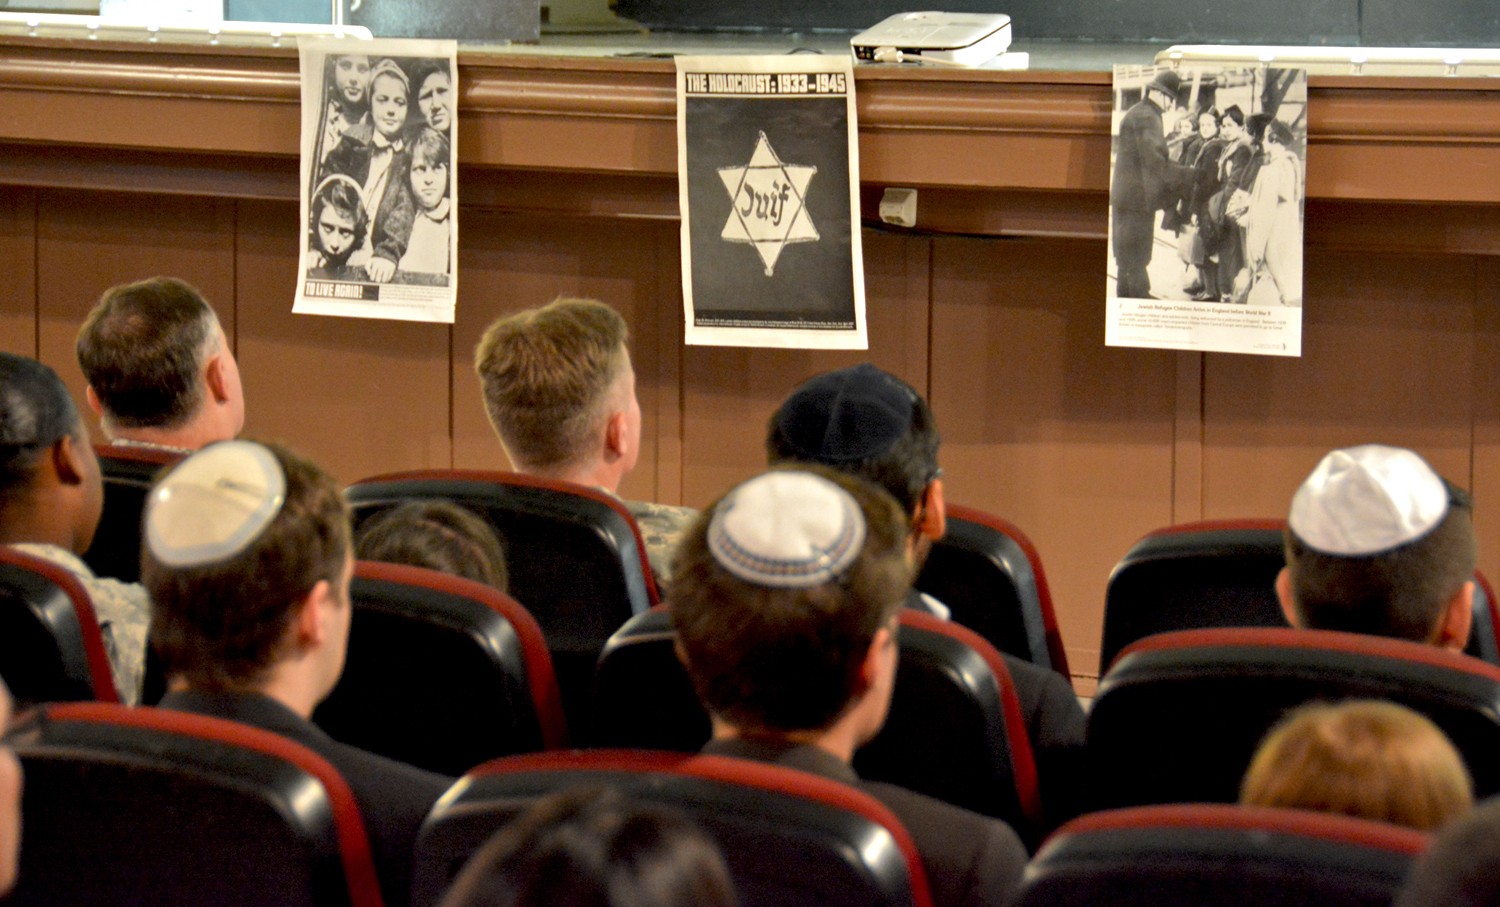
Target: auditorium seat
955,729
1222,573
574,554
128,474
50,646
790,839
129,807
442,673
1179,716
1195,855
990,576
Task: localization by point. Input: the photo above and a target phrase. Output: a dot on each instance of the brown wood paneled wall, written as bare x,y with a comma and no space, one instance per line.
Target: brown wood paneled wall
118,162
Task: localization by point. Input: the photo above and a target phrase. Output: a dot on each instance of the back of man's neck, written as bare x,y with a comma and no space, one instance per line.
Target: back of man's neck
592,475
189,437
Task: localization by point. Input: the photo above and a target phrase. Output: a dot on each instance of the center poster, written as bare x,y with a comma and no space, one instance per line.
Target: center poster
768,166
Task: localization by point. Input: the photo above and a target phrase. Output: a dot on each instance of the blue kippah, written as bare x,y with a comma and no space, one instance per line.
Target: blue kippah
846,416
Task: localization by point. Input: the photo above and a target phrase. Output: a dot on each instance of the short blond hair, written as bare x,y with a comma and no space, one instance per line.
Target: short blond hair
1366,758
547,374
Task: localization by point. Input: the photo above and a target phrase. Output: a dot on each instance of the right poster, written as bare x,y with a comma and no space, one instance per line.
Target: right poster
1207,178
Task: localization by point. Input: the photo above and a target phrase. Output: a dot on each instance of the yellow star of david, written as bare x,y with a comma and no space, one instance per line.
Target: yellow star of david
767,208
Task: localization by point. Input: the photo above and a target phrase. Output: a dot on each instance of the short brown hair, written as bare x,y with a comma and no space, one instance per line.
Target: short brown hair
142,349
779,659
546,375
1401,593
1365,758
437,535
221,626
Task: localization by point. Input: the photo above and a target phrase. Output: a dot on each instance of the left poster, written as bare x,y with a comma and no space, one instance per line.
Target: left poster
379,180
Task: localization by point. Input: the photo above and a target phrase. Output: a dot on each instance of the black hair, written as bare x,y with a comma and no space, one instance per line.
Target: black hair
35,413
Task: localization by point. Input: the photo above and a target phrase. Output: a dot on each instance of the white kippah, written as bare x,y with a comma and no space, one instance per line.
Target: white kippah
214,503
1366,500
787,529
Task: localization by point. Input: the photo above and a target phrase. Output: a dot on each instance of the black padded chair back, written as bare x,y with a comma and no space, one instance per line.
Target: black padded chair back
50,647
990,576
790,839
128,473
127,807
442,673
955,729
1222,573
1227,856
1179,716
574,554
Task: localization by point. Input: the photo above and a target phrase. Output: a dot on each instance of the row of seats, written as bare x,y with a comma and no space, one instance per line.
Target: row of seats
445,673
131,793
1205,574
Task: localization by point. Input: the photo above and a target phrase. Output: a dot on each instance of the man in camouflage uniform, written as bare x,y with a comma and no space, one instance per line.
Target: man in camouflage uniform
559,389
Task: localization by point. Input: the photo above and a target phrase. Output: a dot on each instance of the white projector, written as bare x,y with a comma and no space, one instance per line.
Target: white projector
960,39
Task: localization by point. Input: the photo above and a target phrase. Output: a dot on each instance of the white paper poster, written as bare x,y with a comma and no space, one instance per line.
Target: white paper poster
768,173
1206,209
379,179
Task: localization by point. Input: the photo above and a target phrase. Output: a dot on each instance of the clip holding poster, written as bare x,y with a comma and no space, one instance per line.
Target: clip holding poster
1206,209
379,180
768,178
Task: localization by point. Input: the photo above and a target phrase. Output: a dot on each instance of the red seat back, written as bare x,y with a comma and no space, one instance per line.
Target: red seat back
789,838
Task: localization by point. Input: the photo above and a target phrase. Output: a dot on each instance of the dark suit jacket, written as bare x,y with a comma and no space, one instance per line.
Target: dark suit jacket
1055,725
393,797
1146,178
971,860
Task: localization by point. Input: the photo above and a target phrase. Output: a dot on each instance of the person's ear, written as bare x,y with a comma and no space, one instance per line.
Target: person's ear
68,461
214,377
874,661
1458,617
1287,598
93,401
932,513
312,614
617,435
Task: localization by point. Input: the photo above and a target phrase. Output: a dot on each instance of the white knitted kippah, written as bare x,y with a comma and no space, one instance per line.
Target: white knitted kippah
787,529
214,503
1365,500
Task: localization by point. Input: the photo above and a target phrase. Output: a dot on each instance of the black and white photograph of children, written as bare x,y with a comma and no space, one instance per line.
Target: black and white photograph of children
1207,185
379,171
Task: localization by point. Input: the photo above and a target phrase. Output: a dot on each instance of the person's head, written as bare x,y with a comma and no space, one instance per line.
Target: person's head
560,391
157,363
438,535
1232,123
1378,543
593,847
1208,123
389,91
349,76
429,168
869,423
434,94
1164,88
10,801
1364,758
1462,867
247,558
50,488
339,221
784,598
1278,134
1255,126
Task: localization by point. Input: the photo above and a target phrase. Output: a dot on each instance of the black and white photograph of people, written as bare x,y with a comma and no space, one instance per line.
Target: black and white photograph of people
380,207
1207,185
